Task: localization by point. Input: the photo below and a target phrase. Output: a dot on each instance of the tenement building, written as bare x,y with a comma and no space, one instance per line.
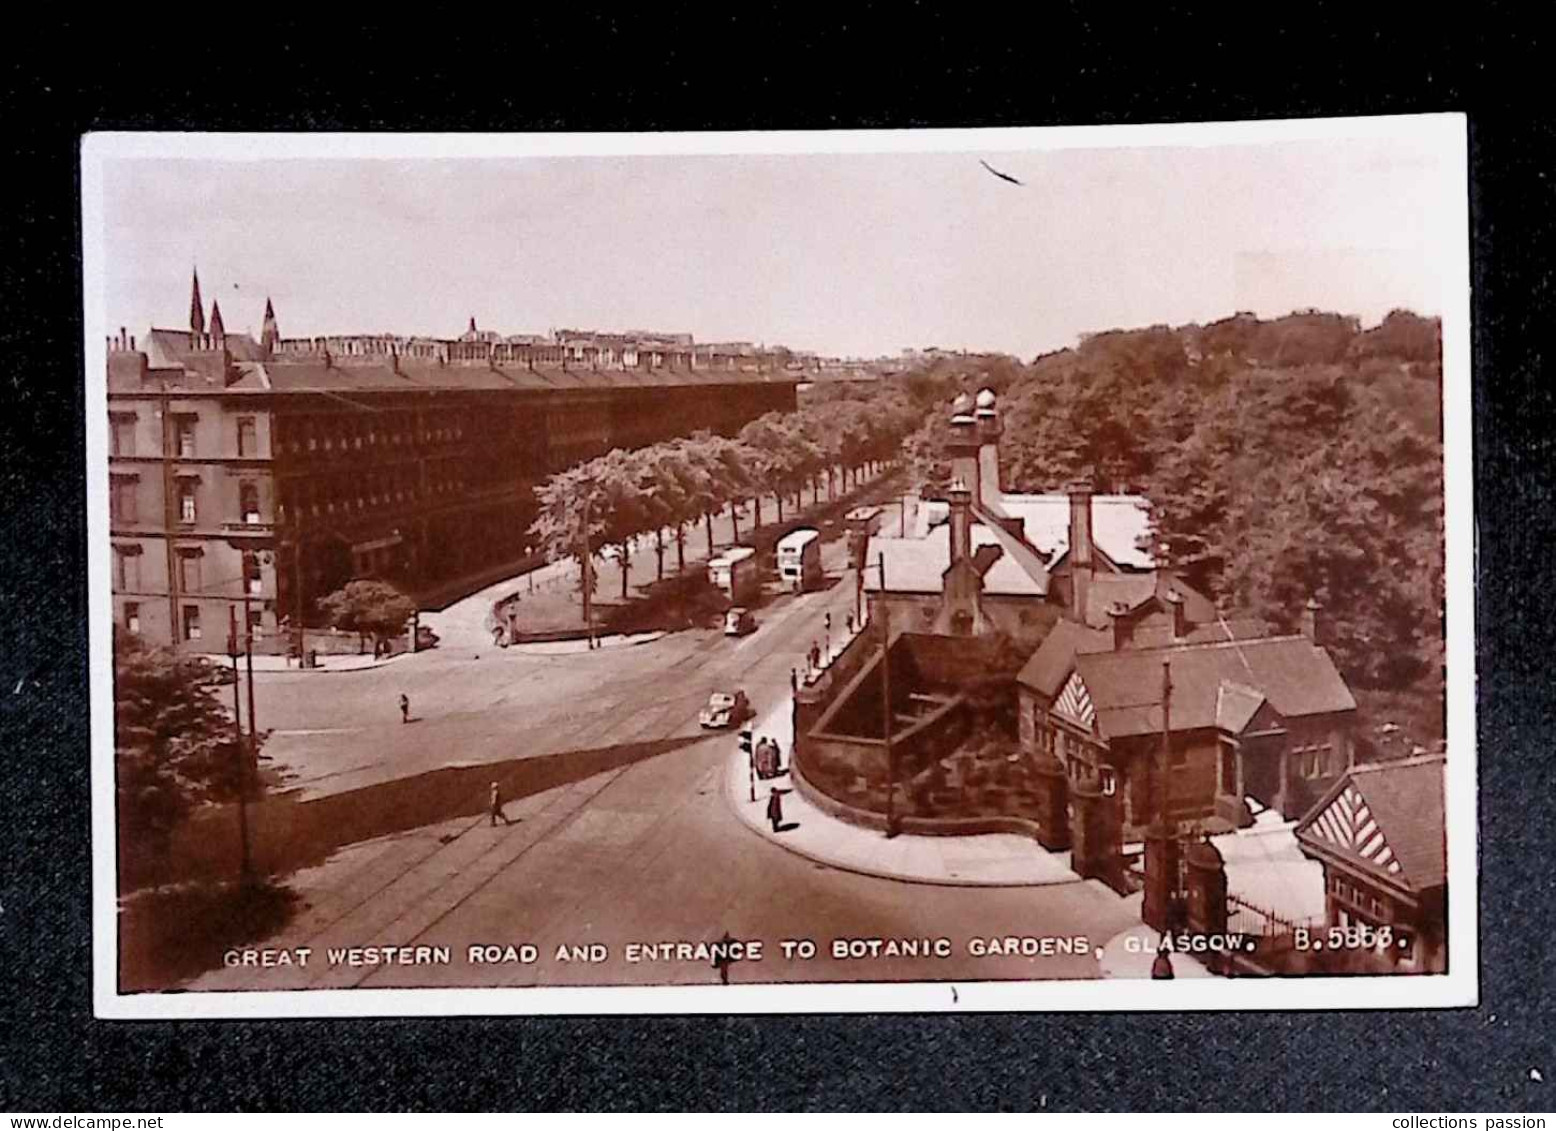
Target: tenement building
265,474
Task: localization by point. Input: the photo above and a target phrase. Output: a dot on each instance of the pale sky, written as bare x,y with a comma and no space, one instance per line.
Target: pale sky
851,254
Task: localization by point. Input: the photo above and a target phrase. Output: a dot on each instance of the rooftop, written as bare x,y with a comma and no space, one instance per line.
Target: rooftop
1387,817
1118,524
917,565
1293,674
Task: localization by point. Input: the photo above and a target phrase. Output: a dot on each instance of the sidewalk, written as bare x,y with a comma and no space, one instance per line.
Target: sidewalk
991,860
1130,953
568,647
463,623
336,662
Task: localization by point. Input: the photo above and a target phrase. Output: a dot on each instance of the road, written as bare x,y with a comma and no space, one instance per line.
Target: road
644,852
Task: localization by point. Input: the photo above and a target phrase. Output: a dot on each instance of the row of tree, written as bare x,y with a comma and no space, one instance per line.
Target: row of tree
666,490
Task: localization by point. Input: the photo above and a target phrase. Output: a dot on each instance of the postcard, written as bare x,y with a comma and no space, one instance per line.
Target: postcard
1018,569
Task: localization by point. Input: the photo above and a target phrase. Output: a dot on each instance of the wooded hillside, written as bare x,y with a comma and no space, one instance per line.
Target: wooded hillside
1285,458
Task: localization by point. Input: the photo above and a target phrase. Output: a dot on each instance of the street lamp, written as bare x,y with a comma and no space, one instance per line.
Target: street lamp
885,662
234,650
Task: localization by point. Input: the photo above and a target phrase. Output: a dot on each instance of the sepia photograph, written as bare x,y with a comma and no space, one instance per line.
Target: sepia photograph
1010,569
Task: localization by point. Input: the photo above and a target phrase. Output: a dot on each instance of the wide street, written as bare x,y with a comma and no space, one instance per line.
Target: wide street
645,851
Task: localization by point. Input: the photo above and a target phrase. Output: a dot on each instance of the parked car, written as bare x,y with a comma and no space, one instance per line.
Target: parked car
725,709
739,622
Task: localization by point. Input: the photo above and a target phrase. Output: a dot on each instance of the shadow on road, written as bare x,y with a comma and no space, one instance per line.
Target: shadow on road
288,833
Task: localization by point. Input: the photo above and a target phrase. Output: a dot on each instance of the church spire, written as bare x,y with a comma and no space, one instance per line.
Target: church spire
270,332
218,331
196,308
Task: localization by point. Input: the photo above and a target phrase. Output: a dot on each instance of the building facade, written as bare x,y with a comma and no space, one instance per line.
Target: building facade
1378,832
247,479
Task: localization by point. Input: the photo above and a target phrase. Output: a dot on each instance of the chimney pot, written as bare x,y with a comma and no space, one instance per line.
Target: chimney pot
1312,620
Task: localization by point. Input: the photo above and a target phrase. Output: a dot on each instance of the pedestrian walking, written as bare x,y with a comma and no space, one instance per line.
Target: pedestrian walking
405,708
496,807
721,958
775,809
815,656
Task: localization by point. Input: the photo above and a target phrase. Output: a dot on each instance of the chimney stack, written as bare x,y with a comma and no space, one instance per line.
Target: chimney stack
960,499
1180,626
962,445
1312,620
988,428
1080,552
1123,631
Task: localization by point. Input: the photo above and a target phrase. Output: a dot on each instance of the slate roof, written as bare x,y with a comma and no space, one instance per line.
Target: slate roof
917,565
1296,676
1050,665
166,349
1134,589
312,375
1236,705
1118,522
1406,800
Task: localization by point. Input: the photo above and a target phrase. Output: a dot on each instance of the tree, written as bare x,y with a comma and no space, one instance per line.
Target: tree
559,521
175,744
368,608
620,504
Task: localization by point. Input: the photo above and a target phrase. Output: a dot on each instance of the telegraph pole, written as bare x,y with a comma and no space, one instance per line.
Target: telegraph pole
891,762
297,589
245,865
588,570
1166,743
251,760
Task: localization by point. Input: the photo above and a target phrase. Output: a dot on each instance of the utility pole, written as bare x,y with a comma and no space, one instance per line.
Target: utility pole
250,761
297,589
245,865
588,570
1166,743
891,761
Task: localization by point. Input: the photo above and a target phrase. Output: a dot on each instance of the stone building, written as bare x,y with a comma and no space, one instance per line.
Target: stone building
278,469
1244,715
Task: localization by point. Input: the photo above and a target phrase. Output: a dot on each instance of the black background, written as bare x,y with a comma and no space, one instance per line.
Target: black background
897,66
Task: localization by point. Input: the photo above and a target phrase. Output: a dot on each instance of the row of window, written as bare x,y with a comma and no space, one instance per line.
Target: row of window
191,571
1357,897
356,434
189,618
124,500
1314,761
124,426
358,493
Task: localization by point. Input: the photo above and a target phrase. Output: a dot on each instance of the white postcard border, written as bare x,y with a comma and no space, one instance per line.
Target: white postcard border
1459,987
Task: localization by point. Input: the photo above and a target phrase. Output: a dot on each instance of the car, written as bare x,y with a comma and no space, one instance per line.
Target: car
739,622
725,709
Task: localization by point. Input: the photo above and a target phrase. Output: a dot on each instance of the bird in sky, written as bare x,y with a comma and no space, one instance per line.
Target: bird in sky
1000,175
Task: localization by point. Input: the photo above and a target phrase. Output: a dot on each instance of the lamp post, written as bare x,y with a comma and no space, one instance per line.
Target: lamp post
885,662
245,863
